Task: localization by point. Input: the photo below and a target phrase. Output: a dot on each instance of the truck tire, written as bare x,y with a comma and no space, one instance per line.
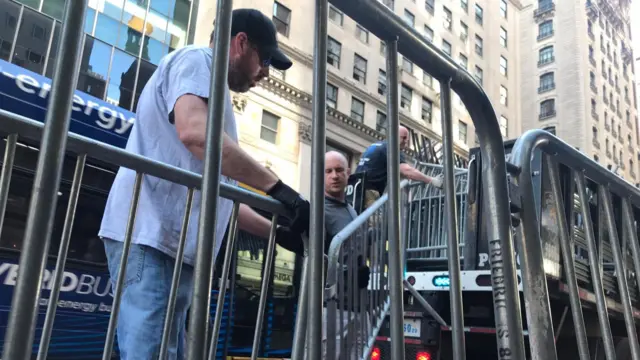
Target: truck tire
623,350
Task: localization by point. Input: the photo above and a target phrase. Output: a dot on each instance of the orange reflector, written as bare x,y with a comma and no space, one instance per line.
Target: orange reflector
423,355
375,354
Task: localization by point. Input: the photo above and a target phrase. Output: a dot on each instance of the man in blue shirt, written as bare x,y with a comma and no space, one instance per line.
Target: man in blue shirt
171,128
374,164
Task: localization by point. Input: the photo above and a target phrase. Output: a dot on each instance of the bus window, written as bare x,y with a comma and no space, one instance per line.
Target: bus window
84,246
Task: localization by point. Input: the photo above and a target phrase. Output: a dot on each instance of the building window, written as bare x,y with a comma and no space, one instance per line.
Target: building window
278,74
383,48
448,18
427,109
503,66
357,109
546,82
407,66
427,79
281,18
446,47
593,107
462,132
336,15
382,82
545,29
362,34
545,55
503,37
332,96
269,127
504,124
479,14
504,95
464,31
430,6
503,8
479,74
388,3
464,4
428,33
409,18
547,108
381,122
334,49
592,80
360,69
464,61
406,93
479,45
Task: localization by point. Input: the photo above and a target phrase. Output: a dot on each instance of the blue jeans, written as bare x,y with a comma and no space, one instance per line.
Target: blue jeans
143,308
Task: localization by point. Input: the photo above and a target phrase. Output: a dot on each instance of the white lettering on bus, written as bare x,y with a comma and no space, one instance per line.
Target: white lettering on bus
108,118
84,285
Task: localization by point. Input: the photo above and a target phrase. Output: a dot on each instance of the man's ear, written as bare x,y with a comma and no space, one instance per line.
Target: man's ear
348,170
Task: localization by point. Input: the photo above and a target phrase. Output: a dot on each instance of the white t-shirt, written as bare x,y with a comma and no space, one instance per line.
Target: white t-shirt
162,203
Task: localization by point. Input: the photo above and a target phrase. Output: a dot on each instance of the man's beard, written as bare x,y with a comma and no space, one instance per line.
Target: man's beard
237,78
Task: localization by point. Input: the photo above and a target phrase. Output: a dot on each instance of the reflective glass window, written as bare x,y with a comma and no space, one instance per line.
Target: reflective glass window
121,79
146,70
53,54
32,3
154,50
53,8
33,41
94,67
9,13
89,20
107,29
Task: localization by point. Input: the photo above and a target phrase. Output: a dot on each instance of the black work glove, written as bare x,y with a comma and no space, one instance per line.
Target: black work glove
294,202
363,276
290,240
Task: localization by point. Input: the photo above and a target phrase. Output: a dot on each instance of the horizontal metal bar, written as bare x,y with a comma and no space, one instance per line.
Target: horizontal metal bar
79,145
571,157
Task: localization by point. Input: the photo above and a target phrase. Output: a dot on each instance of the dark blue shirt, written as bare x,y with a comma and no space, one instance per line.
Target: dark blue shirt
374,164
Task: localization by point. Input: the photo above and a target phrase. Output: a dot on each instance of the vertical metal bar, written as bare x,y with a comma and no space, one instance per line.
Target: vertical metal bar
264,288
316,231
197,341
117,296
396,330
567,250
623,287
175,281
15,36
453,251
594,263
191,24
299,335
222,293
49,44
22,319
5,178
62,257
629,223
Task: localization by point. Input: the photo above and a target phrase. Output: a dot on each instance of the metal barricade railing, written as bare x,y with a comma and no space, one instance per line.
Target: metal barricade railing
588,177
426,231
399,37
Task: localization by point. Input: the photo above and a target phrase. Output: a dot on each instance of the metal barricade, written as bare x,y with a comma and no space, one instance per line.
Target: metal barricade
399,37
588,177
426,232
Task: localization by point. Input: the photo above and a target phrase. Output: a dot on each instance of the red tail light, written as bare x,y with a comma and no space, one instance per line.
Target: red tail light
375,354
423,355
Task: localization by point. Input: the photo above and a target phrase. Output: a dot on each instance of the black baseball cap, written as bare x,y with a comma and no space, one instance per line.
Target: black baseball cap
261,32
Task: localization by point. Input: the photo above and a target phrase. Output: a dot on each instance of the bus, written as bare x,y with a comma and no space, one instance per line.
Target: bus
86,294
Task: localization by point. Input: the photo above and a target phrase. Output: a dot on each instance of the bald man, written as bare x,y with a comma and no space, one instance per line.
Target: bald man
374,164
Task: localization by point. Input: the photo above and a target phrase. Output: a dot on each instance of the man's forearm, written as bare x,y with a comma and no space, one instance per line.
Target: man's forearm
252,222
413,174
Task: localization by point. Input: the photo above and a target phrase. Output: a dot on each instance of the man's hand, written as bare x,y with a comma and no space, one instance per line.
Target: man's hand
437,181
294,202
290,240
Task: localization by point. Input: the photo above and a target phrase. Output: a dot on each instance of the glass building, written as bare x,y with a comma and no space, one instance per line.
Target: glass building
124,41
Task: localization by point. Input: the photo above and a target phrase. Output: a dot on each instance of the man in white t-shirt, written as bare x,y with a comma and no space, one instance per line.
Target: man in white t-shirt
170,127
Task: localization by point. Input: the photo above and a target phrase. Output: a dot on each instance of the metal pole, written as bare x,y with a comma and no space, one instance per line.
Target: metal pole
623,287
396,330
175,280
316,232
119,286
62,258
5,178
567,250
22,318
425,304
453,251
628,217
300,330
594,263
222,292
199,319
264,288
